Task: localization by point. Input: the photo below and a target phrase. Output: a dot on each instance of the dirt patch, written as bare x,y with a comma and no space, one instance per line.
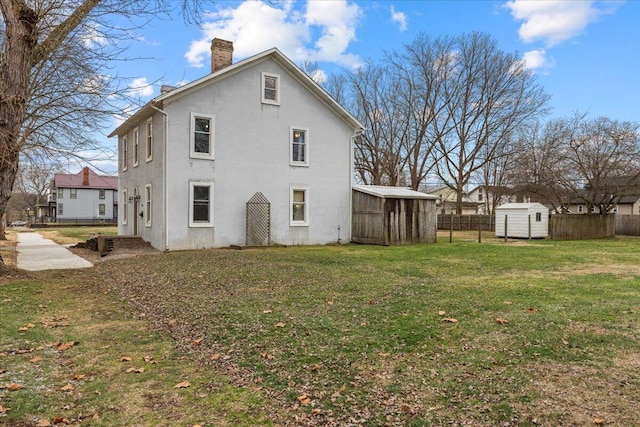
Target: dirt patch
579,394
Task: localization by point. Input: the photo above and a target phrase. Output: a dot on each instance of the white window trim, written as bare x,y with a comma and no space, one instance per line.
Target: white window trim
60,209
136,147
104,210
192,141
125,153
265,100
148,204
304,223
149,140
306,146
192,223
125,208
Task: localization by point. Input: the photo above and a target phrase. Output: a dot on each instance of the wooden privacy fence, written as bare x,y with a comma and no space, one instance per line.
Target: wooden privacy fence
628,225
466,222
577,227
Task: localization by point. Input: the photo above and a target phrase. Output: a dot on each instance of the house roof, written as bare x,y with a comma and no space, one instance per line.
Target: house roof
274,54
392,192
93,180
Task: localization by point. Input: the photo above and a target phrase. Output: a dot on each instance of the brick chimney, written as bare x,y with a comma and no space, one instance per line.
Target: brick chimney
221,54
85,176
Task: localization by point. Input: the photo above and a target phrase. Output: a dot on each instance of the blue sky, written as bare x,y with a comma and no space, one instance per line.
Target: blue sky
586,54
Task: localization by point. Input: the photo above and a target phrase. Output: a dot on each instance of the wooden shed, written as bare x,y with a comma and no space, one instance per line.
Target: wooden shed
392,216
523,220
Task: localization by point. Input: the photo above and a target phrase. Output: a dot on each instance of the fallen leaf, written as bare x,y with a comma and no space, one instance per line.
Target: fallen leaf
531,310
43,422
442,313
565,342
304,399
197,425
14,387
125,359
383,354
183,384
22,329
197,341
66,346
316,411
3,409
342,388
215,356
78,377
330,302
370,302
507,302
599,421
135,370
267,311
279,325
68,387
35,359
30,325
502,321
60,420
148,359
450,320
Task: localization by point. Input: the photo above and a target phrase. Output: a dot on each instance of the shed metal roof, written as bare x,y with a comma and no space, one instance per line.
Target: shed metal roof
392,192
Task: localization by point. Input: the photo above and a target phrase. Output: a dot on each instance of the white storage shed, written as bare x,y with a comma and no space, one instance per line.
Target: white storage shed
523,220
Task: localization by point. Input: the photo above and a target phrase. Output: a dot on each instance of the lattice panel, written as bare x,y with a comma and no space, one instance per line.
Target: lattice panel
258,220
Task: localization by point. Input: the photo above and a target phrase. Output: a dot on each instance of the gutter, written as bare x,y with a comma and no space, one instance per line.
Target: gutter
164,175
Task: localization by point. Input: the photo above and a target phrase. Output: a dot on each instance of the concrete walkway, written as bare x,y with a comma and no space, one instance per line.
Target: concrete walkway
37,253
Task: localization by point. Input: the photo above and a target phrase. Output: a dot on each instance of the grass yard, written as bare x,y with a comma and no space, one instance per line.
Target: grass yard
524,333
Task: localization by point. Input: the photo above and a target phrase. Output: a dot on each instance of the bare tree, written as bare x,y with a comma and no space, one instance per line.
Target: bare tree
489,94
33,182
378,158
601,160
538,169
53,66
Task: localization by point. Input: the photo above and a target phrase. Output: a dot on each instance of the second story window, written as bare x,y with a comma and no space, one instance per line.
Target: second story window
299,147
270,89
202,136
101,193
60,193
73,193
136,147
149,140
125,146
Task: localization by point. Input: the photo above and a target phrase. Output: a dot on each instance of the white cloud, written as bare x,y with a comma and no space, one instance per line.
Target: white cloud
536,59
256,26
555,21
140,87
400,18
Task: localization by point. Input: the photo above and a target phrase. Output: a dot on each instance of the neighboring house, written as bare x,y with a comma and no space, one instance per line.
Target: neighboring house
622,205
253,153
446,200
489,197
83,196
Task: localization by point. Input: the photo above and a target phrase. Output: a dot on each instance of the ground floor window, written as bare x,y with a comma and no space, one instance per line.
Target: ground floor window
101,209
201,204
147,205
60,209
125,207
299,203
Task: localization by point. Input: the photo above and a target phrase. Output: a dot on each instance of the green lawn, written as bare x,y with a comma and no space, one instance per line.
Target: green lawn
522,333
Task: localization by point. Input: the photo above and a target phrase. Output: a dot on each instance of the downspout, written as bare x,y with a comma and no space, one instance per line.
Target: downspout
164,176
351,170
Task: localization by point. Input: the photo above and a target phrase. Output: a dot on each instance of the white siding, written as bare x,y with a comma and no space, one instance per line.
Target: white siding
519,216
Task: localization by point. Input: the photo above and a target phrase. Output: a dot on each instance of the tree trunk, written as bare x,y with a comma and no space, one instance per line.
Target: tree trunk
20,40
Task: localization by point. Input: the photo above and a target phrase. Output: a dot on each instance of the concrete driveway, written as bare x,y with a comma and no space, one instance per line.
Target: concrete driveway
37,253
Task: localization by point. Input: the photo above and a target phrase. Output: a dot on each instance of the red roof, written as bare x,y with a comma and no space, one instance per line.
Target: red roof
86,178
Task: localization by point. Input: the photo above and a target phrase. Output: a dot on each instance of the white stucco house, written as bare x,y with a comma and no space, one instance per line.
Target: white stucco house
84,197
253,153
